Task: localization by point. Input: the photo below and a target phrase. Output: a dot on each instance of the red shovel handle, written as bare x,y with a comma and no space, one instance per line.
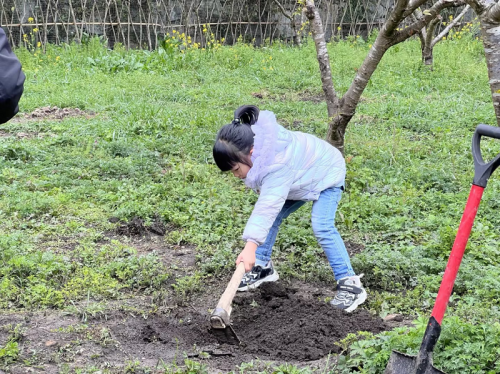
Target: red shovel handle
457,252
482,172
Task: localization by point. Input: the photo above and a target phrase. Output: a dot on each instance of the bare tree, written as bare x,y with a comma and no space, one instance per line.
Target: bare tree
341,110
427,38
295,21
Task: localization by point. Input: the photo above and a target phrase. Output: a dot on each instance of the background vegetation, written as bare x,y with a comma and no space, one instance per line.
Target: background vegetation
147,153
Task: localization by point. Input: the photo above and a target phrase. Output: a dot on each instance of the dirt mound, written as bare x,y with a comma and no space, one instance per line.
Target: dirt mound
278,324
136,227
53,113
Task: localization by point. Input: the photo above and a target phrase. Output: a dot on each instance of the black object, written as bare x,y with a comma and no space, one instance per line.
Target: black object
247,114
482,170
11,80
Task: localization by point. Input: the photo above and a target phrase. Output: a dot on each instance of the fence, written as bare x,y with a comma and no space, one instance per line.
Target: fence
142,23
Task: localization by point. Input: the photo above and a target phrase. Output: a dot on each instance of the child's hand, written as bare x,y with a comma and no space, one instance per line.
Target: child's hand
247,255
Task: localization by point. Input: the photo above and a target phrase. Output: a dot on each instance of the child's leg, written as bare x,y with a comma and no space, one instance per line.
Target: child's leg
323,223
264,251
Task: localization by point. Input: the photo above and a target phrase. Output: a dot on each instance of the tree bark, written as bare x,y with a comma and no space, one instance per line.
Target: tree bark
332,101
427,51
490,32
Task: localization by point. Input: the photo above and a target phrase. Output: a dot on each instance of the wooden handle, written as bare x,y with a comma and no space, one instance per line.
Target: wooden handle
227,297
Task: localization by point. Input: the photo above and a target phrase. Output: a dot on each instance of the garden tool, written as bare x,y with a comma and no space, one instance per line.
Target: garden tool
400,363
220,318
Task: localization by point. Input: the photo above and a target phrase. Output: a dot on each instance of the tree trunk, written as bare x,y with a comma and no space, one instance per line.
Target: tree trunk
332,101
491,38
488,12
427,57
296,28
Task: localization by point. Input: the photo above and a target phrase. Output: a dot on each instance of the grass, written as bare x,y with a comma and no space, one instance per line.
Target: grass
147,153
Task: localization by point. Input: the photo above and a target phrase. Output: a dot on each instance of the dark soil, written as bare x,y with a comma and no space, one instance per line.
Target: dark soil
280,325
136,227
276,323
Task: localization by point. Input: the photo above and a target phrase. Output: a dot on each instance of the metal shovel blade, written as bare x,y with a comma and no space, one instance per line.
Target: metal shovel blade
400,363
223,331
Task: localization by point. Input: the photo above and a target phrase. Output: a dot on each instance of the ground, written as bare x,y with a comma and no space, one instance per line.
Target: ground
284,322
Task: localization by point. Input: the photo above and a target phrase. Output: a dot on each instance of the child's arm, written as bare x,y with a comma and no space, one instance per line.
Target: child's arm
274,192
247,255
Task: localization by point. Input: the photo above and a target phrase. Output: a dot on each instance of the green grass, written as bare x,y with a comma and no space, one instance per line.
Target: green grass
147,153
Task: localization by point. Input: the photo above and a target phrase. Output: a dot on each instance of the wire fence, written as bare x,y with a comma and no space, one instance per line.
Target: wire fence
143,23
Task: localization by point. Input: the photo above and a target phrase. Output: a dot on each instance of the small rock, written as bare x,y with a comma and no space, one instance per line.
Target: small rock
393,317
51,343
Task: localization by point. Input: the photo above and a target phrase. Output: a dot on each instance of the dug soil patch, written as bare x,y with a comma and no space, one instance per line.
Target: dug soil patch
280,325
276,323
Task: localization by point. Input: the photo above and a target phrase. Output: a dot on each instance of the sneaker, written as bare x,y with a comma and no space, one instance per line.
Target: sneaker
257,276
350,293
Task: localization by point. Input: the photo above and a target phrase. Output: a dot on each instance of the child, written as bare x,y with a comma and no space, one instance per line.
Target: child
287,169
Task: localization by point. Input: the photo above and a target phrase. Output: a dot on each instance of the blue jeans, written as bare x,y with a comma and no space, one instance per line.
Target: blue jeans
323,224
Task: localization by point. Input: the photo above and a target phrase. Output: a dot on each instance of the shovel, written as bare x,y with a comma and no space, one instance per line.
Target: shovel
220,318
400,363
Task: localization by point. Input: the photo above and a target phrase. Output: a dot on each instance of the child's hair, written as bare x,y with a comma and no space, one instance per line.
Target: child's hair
235,140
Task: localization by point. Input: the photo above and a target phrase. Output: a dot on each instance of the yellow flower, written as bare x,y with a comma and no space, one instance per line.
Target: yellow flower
173,31
450,17
31,20
444,38
444,23
339,28
58,58
35,29
370,46
38,44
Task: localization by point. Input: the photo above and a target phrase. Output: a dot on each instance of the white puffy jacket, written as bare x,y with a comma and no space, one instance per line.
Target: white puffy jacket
287,165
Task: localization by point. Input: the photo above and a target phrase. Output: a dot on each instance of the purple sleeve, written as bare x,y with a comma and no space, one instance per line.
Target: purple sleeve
11,80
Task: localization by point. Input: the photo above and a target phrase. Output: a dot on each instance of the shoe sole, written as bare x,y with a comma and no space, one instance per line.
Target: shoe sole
359,301
272,278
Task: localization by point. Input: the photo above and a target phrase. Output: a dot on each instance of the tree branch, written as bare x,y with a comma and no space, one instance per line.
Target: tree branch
450,26
395,17
332,101
479,6
494,13
428,15
413,6
430,30
289,16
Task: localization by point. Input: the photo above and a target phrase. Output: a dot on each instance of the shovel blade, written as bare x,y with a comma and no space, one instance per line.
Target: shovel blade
400,363
226,335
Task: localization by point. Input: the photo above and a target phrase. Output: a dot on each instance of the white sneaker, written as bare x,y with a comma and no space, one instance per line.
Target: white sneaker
350,293
257,276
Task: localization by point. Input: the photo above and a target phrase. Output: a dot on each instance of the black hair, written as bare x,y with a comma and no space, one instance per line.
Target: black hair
235,140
